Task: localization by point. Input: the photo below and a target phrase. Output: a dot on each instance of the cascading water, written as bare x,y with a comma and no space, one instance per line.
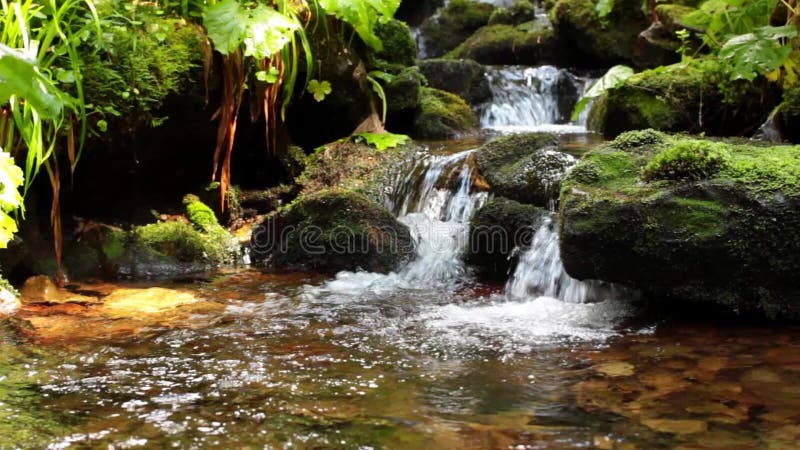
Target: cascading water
533,99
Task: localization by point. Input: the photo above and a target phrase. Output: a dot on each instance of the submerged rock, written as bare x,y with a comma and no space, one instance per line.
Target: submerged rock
682,97
149,303
687,219
464,77
525,167
496,231
41,289
442,115
333,230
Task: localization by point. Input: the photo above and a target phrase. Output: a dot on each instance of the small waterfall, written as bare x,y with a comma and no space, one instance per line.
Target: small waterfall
533,99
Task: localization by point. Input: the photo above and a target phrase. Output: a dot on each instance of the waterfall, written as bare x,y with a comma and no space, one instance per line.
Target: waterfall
533,99
540,272
435,200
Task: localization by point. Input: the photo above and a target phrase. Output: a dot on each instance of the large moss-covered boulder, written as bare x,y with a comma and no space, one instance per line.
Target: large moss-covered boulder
599,41
463,77
687,219
452,25
442,115
333,230
498,229
695,96
525,167
530,43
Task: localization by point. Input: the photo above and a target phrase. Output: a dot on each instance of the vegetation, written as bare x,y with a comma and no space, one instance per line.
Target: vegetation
687,160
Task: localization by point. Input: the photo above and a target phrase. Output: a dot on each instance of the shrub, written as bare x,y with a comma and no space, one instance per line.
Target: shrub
687,160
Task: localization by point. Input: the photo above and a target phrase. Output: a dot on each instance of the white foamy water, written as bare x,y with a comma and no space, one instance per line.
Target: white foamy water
516,326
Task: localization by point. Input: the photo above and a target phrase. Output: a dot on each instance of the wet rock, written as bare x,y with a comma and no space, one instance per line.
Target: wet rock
656,46
525,167
530,43
682,97
520,11
615,369
414,13
333,230
672,17
604,42
149,303
403,98
676,426
464,77
41,289
496,231
789,114
453,24
442,115
9,299
685,237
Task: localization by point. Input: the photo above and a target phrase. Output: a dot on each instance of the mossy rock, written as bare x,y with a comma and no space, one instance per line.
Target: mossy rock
729,236
333,230
604,42
530,43
442,115
357,167
453,24
463,77
399,47
695,97
525,167
656,46
415,12
671,16
496,230
520,11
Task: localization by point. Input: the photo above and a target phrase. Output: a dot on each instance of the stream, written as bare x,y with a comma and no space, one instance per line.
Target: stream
425,357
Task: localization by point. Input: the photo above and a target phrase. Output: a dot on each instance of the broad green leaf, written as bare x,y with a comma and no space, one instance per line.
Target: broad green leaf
363,16
612,79
11,178
19,77
757,53
319,89
268,31
603,9
382,141
226,25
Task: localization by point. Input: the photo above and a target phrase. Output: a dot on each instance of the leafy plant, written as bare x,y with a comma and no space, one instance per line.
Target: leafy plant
604,8
319,89
762,51
614,78
383,141
363,16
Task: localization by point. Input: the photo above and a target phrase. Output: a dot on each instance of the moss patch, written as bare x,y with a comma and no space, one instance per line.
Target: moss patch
529,43
454,23
442,115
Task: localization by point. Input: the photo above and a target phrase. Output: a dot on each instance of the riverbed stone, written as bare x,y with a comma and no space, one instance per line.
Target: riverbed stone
463,77
526,167
520,11
497,230
41,289
717,224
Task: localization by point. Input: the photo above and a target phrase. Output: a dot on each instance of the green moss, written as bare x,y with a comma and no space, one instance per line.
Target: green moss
671,16
765,170
700,218
402,92
610,41
200,215
687,160
113,246
519,12
454,23
442,115
399,47
639,138
694,96
183,243
143,60
530,42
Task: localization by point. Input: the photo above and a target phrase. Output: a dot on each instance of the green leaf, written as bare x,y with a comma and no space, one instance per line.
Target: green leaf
603,9
262,30
363,16
614,78
382,141
11,178
226,25
757,53
19,77
102,125
319,89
